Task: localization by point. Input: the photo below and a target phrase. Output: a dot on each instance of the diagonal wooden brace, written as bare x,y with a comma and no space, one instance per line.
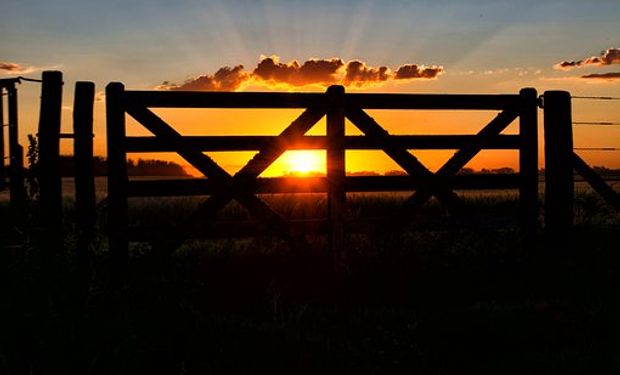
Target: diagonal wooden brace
463,156
221,179
400,155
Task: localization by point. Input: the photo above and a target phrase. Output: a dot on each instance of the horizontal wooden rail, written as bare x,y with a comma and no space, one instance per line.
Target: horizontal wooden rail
279,185
193,99
228,229
249,143
297,227
432,101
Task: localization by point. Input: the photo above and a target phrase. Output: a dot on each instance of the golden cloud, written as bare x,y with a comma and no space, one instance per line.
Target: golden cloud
323,72
608,57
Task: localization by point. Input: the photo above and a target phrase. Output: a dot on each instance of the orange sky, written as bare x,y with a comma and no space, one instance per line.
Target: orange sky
450,46
273,121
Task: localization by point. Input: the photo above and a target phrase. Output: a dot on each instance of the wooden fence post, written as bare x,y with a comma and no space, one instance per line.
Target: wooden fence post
528,162
16,153
559,182
117,179
2,152
50,181
83,102
336,195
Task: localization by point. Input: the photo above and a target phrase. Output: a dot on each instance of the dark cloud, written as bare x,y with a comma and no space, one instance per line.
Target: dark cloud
603,76
412,71
11,67
608,57
313,71
567,65
225,79
358,73
270,71
319,71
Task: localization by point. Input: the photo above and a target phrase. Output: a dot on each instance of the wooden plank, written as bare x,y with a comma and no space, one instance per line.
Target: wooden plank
292,185
85,201
559,179
598,184
432,101
528,164
117,180
246,229
196,99
16,156
250,143
335,156
235,229
3,171
400,155
50,183
299,227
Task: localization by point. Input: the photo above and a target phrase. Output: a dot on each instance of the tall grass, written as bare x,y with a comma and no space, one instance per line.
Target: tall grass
441,294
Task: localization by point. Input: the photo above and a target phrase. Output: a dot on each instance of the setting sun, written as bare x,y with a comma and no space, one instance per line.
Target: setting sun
304,162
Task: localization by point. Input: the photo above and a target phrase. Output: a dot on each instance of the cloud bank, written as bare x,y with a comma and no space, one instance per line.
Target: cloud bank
608,57
603,76
271,72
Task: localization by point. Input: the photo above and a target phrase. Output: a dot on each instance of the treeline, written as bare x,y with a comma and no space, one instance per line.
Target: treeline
396,172
140,167
601,171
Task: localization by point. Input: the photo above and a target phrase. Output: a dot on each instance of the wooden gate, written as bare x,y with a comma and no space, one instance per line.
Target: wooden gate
243,186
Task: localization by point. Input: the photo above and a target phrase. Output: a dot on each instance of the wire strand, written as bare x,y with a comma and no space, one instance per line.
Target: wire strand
607,123
596,97
596,148
29,79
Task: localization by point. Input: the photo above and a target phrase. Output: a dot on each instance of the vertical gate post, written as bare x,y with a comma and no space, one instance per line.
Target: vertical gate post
336,195
2,151
117,179
559,183
16,154
83,103
49,154
528,163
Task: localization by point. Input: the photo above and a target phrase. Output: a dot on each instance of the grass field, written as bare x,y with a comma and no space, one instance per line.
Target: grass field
439,295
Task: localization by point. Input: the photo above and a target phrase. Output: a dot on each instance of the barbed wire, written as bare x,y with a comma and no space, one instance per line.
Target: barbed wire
606,123
596,148
596,97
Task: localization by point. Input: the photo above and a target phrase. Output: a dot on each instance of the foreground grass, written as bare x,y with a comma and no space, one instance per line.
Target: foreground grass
425,298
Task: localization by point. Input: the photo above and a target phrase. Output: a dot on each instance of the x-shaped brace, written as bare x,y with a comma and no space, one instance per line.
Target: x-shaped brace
227,187
414,167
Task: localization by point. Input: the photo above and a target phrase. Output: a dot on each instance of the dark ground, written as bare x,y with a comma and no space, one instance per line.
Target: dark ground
433,300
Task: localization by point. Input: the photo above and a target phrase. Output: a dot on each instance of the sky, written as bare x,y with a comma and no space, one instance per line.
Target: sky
476,46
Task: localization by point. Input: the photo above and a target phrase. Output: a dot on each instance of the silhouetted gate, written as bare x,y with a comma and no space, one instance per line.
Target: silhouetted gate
244,185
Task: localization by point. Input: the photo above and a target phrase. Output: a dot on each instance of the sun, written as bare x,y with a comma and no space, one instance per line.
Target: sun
304,162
